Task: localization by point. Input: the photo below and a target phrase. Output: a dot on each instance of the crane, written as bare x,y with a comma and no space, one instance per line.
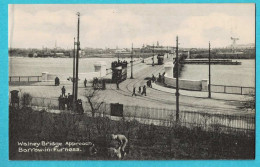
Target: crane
234,43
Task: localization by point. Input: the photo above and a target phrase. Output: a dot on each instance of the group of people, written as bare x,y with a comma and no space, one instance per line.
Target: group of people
99,83
161,78
149,84
140,91
67,102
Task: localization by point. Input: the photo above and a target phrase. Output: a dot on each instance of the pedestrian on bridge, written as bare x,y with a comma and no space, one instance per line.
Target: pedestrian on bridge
159,78
63,91
134,91
153,78
85,82
140,90
144,90
117,84
57,81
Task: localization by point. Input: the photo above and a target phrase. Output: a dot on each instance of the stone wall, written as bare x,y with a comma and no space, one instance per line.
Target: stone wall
100,71
198,85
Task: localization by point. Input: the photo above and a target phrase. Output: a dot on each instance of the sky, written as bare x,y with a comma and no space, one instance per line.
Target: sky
120,25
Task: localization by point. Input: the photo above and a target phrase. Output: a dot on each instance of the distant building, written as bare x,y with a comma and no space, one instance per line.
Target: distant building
122,51
59,55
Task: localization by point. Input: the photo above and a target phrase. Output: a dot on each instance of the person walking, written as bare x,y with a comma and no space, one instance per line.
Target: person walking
140,90
63,91
150,83
60,102
159,78
117,84
134,91
85,82
56,81
153,78
144,90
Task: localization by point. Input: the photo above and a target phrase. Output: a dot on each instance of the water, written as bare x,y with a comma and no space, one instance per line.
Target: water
24,66
235,75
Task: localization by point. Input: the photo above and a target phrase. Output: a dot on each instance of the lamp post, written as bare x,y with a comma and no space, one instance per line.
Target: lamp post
209,87
132,62
167,52
153,55
117,54
77,61
73,79
177,81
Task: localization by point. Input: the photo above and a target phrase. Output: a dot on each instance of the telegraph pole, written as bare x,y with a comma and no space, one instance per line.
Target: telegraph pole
132,62
167,52
209,87
117,54
77,61
153,55
177,82
73,79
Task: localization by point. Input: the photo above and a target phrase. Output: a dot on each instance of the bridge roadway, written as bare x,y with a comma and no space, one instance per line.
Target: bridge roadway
161,99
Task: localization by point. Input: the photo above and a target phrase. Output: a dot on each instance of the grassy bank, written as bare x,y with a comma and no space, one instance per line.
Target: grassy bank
146,142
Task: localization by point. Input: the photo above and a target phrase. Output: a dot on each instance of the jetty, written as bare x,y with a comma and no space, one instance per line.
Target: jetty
212,61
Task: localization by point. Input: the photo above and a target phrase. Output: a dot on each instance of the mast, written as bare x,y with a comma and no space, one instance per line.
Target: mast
77,60
209,74
73,79
132,62
177,82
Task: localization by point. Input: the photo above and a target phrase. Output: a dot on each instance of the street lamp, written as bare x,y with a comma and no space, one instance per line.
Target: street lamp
77,60
153,55
209,87
177,81
132,62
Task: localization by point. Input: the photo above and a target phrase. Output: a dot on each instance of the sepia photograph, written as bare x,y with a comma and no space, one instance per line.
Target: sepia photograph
173,81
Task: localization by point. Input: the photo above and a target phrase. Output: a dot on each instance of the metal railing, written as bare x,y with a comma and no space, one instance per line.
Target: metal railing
165,117
25,78
232,89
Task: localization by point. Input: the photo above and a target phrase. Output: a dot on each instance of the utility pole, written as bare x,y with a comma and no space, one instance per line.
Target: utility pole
77,61
167,52
177,82
209,87
153,55
132,62
117,54
73,79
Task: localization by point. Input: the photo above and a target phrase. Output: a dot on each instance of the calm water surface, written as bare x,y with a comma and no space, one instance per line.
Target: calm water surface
35,66
235,75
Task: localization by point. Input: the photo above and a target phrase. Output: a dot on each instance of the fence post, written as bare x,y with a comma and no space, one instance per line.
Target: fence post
224,89
19,78
28,78
241,90
38,79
